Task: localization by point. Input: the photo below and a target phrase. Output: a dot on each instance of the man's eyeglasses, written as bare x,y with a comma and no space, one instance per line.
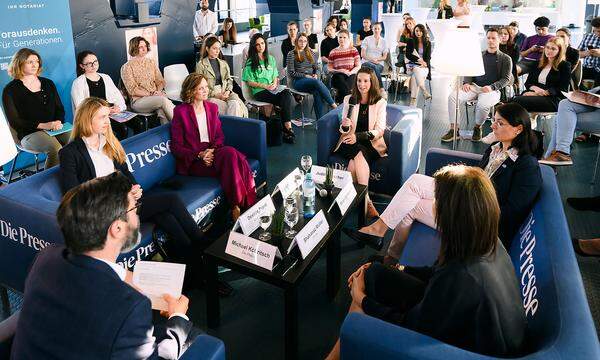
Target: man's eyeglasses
135,208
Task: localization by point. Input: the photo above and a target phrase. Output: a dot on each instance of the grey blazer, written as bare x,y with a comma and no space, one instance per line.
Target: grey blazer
504,64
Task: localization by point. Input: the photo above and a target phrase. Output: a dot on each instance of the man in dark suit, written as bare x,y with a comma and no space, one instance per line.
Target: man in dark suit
79,303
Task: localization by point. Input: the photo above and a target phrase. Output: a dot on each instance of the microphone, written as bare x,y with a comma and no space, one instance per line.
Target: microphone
351,105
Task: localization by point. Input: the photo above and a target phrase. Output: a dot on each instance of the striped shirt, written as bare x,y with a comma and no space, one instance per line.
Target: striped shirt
297,69
593,41
343,58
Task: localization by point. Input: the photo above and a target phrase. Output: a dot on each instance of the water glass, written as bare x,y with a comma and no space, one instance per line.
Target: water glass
289,202
291,219
265,222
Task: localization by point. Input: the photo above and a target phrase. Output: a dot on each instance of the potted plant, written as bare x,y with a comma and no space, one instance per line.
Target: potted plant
328,183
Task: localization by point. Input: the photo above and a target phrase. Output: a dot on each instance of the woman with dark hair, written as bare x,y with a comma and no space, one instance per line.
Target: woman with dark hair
405,34
418,53
261,75
470,297
508,46
287,44
228,34
361,131
334,20
302,71
92,83
509,163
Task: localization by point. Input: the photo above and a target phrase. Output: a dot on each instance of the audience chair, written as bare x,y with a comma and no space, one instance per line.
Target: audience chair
145,116
300,98
174,76
21,149
597,159
254,106
577,75
388,71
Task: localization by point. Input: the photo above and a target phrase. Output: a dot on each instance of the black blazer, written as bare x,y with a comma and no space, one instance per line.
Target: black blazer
76,307
517,185
76,166
557,80
448,10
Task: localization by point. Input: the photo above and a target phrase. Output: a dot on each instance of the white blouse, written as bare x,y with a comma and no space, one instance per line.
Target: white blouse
544,75
202,126
102,163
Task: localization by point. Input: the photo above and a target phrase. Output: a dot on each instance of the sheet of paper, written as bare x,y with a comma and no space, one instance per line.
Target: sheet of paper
155,279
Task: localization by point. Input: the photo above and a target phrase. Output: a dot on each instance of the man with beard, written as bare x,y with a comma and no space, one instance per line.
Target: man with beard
205,22
80,304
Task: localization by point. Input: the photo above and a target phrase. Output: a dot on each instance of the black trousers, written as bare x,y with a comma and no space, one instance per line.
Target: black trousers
238,90
538,103
120,129
343,84
284,99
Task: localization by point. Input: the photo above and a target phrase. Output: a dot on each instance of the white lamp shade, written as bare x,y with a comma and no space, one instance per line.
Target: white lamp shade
8,150
459,54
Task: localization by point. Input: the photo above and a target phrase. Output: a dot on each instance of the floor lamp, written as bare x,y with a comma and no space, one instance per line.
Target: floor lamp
8,150
459,55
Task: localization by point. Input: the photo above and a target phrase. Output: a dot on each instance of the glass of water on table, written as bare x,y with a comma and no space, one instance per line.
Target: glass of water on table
265,222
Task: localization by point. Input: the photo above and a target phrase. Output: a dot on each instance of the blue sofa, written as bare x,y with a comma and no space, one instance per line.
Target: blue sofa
27,207
560,324
402,136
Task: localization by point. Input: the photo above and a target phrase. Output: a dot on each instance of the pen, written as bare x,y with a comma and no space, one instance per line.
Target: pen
290,267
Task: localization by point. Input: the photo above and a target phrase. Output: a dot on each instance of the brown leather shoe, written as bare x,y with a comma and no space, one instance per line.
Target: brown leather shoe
557,158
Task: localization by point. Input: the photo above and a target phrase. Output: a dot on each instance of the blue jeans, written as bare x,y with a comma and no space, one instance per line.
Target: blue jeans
319,91
572,116
378,68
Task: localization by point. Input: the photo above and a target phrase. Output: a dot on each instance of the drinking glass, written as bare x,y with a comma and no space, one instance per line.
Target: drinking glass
265,222
306,162
291,218
289,202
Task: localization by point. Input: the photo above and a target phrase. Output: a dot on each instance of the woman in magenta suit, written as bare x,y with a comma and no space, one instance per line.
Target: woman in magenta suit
197,142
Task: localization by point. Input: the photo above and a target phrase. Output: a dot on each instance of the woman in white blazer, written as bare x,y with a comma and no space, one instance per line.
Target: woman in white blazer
362,127
92,83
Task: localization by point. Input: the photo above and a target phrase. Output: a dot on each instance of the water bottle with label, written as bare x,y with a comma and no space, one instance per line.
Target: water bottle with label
308,192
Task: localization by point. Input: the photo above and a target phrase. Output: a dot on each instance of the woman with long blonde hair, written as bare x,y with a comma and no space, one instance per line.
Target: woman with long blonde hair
444,10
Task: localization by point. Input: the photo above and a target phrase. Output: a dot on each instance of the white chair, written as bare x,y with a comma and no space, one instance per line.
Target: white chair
21,149
174,76
253,105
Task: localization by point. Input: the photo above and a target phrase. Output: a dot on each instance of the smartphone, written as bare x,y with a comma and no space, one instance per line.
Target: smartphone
591,47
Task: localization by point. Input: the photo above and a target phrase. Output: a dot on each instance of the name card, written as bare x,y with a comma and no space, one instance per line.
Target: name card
345,197
340,177
311,234
288,184
251,250
318,173
250,220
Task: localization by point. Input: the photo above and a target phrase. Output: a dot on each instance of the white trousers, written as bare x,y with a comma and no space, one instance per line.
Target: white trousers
418,75
485,101
233,106
161,104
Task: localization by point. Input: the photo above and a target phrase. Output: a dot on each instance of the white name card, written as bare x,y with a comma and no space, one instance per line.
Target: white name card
311,234
251,250
345,197
250,220
340,177
288,184
318,173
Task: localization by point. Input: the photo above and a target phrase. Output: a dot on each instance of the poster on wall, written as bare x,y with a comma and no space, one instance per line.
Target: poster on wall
44,26
148,33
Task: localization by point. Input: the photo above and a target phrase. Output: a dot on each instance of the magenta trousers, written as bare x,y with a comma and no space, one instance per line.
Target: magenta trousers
234,173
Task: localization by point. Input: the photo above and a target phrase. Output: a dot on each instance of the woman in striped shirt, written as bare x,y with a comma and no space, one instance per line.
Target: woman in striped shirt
302,73
344,63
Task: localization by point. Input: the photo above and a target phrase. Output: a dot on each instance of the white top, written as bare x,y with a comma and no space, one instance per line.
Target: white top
543,75
373,48
102,163
202,126
205,23
121,272
80,91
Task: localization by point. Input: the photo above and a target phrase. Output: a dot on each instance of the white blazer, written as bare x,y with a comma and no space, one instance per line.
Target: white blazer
80,91
377,123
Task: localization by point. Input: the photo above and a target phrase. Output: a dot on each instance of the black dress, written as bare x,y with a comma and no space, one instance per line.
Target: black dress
362,144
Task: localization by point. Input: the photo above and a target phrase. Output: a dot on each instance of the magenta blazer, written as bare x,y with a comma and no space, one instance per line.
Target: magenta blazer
185,136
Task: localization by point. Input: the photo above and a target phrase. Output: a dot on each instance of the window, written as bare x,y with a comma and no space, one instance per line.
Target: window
239,10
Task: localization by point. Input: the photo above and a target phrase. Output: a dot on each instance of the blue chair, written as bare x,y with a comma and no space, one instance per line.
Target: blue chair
402,137
560,324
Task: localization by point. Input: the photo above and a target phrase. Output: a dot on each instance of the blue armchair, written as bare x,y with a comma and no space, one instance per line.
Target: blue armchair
402,137
560,324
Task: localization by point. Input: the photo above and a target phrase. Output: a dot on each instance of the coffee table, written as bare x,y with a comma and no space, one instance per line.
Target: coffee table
286,279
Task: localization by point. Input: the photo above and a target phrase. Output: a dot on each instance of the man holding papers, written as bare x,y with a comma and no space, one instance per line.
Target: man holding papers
78,302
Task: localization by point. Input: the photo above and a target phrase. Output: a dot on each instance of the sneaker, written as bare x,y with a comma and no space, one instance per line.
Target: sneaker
557,158
450,136
476,133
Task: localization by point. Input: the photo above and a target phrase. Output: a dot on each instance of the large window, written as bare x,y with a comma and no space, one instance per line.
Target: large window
239,10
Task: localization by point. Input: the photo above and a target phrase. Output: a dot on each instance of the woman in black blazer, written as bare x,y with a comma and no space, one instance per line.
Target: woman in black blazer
418,53
510,165
444,10
546,82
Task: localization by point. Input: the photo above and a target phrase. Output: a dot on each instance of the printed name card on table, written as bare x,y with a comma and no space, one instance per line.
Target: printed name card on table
250,220
251,250
312,233
340,177
345,197
288,184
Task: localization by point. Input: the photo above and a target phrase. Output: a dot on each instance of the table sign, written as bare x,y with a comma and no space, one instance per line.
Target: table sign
311,234
288,184
249,221
318,174
251,250
345,197
340,177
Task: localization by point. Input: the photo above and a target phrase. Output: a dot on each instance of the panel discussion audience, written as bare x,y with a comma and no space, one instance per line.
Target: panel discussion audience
470,297
568,120
518,36
33,107
508,162
508,46
90,82
246,48
313,40
589,50
144,82
198,144
302,74
228,34
418,53
462,12
405,34
334,20
79,303
220,82
95,152
571,54
533,46
344,26
363,32
205,22
261,75
362,128
547,81
329,43
287,44
484,88
343,64
444,10
375,51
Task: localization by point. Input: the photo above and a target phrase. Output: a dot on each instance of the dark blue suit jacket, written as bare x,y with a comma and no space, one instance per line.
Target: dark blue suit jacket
76,307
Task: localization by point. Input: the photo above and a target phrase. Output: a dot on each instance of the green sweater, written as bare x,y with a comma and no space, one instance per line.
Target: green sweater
264,75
